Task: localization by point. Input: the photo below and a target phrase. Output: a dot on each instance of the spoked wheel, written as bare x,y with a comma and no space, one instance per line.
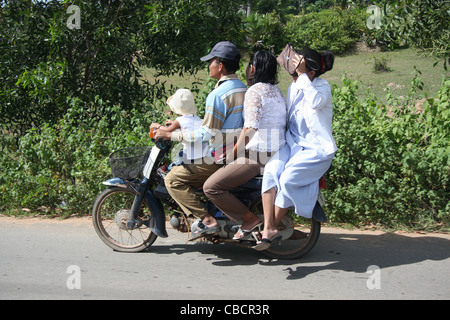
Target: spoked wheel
298,238
111,216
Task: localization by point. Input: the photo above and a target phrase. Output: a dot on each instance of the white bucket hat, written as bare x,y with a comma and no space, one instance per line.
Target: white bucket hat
182,102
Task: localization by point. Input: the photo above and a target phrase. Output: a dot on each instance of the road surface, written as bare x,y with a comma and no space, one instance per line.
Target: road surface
54,259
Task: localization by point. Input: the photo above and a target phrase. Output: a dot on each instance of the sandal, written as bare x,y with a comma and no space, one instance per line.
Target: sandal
202,230
265,243
244,233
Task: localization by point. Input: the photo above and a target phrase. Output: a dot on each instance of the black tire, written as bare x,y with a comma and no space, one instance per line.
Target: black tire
301,241
110,209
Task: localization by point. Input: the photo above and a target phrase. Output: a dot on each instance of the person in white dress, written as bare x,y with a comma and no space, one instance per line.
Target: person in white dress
291,178
264,131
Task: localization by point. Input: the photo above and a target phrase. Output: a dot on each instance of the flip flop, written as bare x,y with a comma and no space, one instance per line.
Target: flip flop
241,236
202,230
245,232
266,243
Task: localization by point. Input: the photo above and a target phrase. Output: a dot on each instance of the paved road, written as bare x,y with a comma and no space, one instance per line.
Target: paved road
48,259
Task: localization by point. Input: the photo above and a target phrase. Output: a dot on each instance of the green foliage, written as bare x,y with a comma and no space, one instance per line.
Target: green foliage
420,23
29,80
43,61
335,30
265,31
393,163
63,164
179,32
380,64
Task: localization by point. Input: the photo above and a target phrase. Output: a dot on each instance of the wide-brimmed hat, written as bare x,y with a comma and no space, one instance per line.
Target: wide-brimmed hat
182,102
224,49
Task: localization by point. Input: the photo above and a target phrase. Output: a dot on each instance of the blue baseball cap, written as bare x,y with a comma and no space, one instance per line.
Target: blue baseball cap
224,49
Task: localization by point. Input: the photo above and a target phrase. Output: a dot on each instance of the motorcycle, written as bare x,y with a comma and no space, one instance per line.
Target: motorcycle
129,214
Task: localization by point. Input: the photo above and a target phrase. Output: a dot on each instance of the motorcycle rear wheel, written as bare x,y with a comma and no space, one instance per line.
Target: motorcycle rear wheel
305,234
109,216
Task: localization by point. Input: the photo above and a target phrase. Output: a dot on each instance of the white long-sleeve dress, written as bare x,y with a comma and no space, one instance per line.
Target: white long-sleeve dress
296,169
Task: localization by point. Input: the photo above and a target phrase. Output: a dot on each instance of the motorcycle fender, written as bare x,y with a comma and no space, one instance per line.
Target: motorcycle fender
115,182
158,220
318,213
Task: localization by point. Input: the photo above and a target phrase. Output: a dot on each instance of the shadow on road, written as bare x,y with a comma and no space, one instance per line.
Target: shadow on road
342,252
354,253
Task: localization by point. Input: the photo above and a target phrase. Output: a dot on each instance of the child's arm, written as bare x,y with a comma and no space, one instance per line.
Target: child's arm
154,125
172,127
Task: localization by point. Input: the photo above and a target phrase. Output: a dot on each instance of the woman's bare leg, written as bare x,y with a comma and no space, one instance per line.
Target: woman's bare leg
272,214
279,214
268,200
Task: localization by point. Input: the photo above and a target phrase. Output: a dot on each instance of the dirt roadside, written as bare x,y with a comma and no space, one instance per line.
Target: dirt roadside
87,221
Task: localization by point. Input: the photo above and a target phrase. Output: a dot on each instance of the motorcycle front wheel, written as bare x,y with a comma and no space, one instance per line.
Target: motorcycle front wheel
299,235
111,215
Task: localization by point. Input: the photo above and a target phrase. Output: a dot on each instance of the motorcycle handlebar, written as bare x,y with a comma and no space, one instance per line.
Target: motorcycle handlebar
161,143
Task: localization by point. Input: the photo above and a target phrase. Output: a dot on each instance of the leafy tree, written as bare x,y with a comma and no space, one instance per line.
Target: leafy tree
44,62
265,31
420,23
267,6
334,29
26,74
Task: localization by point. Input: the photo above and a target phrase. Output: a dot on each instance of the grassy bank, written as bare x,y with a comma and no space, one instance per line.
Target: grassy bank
359,66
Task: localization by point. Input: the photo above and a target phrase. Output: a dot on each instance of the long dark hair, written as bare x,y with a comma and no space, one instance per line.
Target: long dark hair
266,67
318,62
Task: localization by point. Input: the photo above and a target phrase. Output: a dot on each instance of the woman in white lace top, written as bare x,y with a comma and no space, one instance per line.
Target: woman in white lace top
265,119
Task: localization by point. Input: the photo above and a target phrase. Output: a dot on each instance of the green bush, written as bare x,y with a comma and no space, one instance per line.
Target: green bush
393,163
62,165
380,64
265,31
335,30
419,23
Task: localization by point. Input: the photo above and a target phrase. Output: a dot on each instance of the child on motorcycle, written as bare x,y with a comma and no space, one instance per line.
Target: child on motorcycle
183,105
